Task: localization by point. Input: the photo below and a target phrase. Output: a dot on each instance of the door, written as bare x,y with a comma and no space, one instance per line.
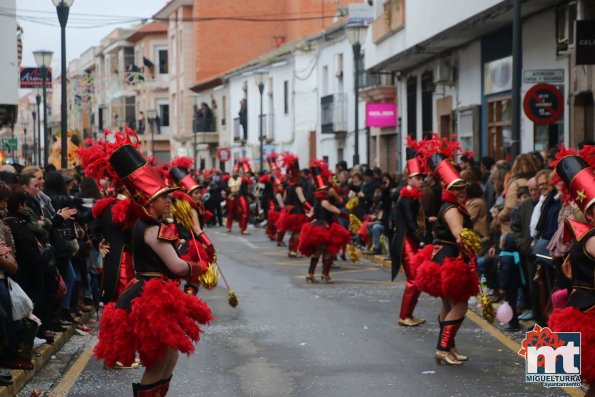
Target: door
499,127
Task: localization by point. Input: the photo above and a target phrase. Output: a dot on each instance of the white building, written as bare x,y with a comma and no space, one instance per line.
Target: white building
454,69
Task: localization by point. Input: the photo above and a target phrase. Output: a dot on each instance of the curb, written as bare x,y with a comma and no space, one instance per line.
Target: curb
41,356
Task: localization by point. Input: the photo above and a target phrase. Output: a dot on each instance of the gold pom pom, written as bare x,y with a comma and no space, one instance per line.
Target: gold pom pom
233,299
182,211
352,203
209,278
470,240
354,253
487,308
354,224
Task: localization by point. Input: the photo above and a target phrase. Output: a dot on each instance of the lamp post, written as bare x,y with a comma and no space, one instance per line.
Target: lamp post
355,32
63,7
260,77
33,110
24,123
38,146
43,60
152,115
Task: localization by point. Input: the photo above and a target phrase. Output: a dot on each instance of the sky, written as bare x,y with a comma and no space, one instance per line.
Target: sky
82,31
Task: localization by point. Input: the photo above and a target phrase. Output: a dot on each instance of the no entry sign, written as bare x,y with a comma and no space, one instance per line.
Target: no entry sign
223,154
543,104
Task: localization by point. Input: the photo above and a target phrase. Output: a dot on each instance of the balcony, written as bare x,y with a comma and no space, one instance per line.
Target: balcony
333,110
207,137
390,21
377,87
239,135
268,127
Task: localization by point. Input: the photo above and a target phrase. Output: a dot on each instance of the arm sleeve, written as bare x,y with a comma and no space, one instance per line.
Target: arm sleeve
410,219
166,252
511,200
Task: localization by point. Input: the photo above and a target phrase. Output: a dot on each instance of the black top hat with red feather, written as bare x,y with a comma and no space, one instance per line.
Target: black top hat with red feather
184,180
579,178
142,180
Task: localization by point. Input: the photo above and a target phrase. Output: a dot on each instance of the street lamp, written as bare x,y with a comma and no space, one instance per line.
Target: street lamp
38,102
355,32
152,115
33,108
260,77
44,59
63,7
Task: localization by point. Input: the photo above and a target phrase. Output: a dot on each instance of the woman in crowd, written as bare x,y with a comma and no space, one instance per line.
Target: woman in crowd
153,316
448,268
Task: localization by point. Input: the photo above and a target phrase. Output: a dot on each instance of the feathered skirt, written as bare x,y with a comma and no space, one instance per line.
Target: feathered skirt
452,279
289,222
570,319
317,235
160,316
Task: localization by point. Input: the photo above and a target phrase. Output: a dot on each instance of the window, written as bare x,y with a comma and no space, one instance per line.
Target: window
223,110
162,61
324,80
499,127
164,114
412,106
466,129
286,97
427,93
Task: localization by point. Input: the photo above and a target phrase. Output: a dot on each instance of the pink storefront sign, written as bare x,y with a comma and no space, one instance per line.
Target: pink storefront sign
381,114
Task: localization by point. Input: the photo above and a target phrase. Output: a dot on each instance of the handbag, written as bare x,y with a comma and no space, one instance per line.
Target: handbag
22,305
65,242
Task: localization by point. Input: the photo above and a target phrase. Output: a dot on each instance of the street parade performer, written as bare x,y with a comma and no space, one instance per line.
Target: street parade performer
448,268
323,235
237,200
153,316
189,212
293,216
579,315
408,237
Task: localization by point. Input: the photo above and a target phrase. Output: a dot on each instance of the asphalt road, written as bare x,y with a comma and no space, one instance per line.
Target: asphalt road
289,338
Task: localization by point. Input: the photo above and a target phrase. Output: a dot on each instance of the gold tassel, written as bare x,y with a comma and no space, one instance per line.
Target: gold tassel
182,211
354,253
233,299
354,224
489,313
352,203
209,278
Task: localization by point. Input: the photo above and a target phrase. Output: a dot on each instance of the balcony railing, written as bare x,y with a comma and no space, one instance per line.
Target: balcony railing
268,127
333,110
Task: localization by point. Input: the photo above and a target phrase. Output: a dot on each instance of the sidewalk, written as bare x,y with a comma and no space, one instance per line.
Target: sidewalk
41,356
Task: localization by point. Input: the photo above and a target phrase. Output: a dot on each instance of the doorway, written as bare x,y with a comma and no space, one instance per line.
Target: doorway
499,127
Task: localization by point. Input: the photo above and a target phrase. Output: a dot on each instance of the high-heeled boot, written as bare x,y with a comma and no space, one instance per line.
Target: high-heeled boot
150,390
326,268
457,324
410,297
312,269
293,243
448,330
280,236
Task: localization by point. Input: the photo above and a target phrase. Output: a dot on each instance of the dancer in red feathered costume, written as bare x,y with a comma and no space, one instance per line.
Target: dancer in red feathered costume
112,218
323,235
293,216
450,270
153,316
237,196
199,247
275,207
579,315
408,237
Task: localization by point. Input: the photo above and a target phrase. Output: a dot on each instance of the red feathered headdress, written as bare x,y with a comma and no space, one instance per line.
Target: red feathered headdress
95,158
245,165
183,162
292,166
587,153
439,153
325,172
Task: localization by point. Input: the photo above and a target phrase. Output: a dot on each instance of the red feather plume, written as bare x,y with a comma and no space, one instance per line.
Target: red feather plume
183,162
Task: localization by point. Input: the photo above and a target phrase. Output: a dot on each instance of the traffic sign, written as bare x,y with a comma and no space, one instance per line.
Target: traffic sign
543,104
9,143
223,154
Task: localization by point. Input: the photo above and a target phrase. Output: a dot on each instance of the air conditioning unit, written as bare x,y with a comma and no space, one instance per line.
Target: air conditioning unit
443,72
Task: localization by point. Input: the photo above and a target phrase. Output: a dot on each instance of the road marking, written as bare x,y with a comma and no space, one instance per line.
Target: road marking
347,281
372,269
62,389
512,345
275,253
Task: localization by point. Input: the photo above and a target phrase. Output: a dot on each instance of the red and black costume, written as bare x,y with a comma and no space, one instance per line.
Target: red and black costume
152,314
579,315
237,200
293,216
113,222
323,235
407,239
448,269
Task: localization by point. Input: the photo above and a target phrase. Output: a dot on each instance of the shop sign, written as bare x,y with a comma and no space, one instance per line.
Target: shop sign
585,42
381,114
